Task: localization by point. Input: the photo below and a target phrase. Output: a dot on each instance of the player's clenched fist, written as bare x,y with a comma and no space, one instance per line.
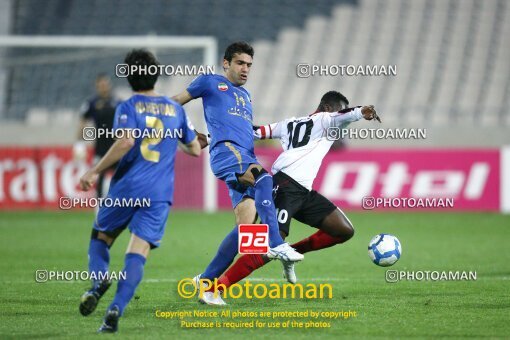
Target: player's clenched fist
202,139
87,181
369,113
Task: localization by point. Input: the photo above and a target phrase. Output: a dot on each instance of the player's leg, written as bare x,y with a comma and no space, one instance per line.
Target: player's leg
258,178
262,182
319,212
110,222
134,263
245,214
254,182
334,229
99,252
99,260
288,200
337,225
147,228
226,162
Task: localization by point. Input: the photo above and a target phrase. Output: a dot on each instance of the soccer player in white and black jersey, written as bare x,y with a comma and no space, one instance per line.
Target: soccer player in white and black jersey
305,142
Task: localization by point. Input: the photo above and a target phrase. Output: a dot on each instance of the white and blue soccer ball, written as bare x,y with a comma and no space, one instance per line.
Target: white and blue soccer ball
384,250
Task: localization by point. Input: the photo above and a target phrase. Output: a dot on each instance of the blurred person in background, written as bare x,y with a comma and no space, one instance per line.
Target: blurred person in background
98,112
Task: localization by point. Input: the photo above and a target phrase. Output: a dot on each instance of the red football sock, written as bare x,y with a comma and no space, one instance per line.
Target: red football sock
243,267
319,240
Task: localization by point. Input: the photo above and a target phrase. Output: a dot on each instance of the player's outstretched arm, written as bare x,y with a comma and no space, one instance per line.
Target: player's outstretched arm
350,115
269,131
114,154
193,148
183,97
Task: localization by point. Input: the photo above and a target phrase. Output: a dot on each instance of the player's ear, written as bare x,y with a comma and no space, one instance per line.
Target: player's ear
226,64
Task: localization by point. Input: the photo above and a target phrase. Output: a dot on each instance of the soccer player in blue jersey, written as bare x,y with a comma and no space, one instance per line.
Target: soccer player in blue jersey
228,114
145,170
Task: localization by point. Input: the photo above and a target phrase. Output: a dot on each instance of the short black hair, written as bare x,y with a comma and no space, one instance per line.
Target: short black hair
238,48
141,81
332,98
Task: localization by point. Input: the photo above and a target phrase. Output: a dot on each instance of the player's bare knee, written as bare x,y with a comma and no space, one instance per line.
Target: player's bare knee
347,228
243,220
245,211
337,225
137,245
349,231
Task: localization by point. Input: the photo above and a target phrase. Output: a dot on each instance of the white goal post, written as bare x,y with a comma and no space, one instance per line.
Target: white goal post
208,45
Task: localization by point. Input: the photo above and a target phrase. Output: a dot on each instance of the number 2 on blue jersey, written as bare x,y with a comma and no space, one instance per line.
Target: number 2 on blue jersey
148,154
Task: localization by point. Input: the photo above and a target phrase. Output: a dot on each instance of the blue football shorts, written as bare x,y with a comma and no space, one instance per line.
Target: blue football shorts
229,160
148,223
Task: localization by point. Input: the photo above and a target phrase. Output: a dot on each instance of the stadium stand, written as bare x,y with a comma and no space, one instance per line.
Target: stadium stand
451,56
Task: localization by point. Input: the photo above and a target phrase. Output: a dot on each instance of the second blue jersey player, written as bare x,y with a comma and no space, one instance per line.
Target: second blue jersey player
228,114
145,171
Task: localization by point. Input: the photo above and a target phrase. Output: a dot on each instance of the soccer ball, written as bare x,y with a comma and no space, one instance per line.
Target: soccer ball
384,250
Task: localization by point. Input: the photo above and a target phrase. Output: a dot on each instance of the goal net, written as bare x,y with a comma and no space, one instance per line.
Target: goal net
44,80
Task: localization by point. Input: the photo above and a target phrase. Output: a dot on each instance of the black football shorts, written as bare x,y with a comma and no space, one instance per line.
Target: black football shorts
292,200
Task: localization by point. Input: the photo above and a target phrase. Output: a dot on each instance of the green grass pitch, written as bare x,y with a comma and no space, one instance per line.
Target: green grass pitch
430,241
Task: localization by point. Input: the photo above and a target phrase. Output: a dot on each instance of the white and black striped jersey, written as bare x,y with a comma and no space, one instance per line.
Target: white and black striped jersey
306,140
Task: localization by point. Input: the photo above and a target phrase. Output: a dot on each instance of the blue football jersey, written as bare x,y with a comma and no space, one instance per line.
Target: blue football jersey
227,109
147,170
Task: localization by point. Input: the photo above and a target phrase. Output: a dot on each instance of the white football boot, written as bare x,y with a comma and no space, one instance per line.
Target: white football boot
288,272
196,282
284,252
209,298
